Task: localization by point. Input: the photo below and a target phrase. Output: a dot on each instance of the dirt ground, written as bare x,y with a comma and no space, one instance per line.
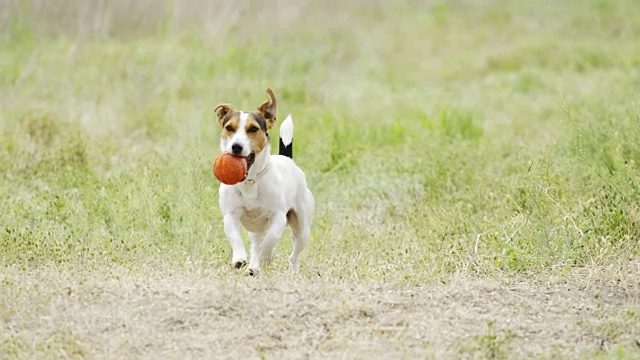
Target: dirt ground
114,313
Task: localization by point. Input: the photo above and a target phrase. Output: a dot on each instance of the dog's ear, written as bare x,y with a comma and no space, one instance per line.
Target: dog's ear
222,111
268,109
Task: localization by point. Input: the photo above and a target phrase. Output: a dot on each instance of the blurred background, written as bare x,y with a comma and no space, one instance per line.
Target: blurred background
456,136
122,18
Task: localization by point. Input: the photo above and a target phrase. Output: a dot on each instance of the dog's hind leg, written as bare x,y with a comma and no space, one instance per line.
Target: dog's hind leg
300,223
299,237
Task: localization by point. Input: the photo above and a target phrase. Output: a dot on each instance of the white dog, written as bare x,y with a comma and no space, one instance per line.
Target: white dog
274,192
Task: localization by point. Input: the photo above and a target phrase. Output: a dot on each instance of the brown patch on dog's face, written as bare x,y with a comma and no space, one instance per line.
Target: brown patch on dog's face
256,129
229,123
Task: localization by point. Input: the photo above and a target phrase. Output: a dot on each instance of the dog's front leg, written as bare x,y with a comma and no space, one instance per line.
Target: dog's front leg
232,231
254,239
276,227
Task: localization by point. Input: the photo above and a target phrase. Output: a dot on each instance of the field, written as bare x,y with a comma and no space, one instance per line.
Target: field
475,164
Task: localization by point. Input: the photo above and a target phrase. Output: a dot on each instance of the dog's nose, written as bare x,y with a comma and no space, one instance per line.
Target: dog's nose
236,149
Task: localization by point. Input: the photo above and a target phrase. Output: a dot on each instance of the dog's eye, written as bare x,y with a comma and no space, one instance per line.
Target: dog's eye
252,129
229,128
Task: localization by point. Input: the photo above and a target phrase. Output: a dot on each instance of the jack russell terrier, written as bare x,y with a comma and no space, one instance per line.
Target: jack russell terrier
274,192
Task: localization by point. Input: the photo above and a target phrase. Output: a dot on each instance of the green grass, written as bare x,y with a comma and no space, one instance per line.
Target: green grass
425,160
446,141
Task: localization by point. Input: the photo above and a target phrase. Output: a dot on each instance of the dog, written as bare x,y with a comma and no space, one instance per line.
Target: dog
274,192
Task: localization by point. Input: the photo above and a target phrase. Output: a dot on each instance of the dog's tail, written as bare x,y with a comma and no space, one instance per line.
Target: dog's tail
286,137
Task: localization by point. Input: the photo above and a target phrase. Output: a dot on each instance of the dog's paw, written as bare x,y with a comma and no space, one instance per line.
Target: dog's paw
294,268
239,263
253,272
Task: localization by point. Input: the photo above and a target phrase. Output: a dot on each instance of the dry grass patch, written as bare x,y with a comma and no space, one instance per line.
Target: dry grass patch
112,312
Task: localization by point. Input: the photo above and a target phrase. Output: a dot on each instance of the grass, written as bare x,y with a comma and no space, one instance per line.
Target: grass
445,143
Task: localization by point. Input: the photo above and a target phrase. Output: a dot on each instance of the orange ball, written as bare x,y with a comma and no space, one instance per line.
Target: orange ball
230,169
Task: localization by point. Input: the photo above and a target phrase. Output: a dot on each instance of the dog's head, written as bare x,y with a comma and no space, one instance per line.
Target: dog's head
246,133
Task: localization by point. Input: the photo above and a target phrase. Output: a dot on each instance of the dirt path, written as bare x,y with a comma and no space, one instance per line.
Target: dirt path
112,313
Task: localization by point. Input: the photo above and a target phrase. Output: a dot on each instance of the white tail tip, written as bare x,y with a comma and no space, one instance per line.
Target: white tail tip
286,130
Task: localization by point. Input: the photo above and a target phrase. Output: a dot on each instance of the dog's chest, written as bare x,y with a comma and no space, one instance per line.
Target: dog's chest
255,213
256,219
250,195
